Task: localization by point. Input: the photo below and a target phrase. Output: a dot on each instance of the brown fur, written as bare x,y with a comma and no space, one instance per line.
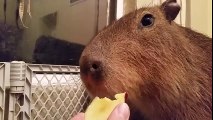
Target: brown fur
166,69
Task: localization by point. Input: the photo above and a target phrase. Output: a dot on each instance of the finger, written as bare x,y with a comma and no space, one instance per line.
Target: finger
79,116
121,112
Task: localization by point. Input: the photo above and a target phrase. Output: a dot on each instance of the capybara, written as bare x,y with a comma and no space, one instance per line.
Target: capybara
166,69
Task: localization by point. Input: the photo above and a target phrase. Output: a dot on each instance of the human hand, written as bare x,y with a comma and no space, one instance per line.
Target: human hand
121,112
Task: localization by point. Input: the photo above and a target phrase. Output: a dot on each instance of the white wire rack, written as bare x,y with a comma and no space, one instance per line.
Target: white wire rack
41,92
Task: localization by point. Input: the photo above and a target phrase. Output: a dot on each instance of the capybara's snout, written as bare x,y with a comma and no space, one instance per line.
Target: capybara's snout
91,67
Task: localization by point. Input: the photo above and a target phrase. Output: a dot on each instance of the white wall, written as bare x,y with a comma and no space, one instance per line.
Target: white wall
77,23
209,18
201,16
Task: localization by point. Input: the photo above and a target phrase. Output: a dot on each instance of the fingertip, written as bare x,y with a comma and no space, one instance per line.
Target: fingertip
123,108
79,116
121,112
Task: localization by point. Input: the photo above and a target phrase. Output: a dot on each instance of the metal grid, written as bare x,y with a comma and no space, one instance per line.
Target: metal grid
57,92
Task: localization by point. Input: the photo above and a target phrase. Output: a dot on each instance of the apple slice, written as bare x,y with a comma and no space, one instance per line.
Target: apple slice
101,108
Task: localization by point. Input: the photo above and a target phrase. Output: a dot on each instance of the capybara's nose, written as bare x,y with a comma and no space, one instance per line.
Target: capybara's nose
91,67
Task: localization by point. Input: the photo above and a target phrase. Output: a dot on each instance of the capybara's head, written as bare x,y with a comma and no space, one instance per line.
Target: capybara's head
163,67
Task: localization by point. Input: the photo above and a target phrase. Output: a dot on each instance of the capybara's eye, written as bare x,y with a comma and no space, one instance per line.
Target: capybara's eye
147,20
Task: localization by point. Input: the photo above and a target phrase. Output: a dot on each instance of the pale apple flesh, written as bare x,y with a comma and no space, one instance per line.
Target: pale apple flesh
101,108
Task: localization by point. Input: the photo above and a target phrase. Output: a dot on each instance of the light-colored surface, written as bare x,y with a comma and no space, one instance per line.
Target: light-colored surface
210,18
2,90
119,10
129,6
4,84
103,14
201,15
20,91
148,3
76,23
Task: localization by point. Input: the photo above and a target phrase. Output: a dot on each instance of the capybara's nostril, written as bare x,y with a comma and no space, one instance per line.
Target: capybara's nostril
95,66
91,68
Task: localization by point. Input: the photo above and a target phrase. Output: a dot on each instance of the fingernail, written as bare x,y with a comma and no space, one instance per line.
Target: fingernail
123,110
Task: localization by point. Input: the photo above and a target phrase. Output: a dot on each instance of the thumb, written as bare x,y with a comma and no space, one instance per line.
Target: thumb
121,112
79,116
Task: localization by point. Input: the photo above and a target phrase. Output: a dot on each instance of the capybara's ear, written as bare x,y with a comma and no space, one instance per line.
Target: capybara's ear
171,9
